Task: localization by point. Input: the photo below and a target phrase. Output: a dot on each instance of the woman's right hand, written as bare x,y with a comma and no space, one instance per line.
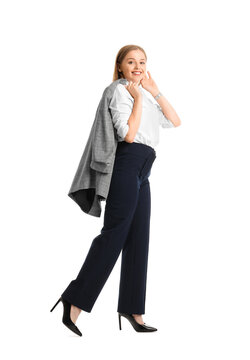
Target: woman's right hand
133,89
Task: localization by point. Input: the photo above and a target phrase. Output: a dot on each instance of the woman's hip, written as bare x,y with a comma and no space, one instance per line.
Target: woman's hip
133,159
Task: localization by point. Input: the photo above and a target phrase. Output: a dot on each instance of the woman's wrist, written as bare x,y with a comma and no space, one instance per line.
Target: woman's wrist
138,97
155,92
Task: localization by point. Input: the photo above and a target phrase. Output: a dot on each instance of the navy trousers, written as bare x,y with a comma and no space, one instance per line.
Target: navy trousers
126,228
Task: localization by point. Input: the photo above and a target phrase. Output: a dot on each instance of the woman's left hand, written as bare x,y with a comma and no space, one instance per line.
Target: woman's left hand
149,84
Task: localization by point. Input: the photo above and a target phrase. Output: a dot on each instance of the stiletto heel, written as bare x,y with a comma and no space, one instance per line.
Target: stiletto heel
55,304
138,327
119,317
66,316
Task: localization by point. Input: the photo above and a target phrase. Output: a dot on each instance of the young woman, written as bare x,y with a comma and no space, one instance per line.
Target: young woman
138,110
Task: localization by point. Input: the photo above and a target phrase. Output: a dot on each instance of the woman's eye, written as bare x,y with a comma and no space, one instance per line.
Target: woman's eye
130,62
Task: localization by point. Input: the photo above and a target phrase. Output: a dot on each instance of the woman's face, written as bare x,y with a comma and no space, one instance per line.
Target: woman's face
133,62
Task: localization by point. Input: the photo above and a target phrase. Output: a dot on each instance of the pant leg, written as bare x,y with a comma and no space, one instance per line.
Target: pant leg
132,290
106,247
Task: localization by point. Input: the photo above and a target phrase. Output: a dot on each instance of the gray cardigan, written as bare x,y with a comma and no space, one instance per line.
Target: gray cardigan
92,180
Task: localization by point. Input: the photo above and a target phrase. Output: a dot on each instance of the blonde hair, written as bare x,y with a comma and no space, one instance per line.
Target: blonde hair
121,55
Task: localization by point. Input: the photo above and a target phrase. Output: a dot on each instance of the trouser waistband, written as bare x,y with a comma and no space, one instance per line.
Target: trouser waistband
139,149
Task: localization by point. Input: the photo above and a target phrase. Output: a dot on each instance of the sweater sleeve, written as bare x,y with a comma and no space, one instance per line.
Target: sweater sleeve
121,106
163,121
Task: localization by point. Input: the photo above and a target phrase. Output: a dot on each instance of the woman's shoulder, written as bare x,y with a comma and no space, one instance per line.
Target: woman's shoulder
121,88
121,92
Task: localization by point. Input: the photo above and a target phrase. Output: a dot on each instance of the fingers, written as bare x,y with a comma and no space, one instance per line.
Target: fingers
131,83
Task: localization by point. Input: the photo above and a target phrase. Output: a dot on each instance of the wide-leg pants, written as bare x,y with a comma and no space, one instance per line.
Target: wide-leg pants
126,228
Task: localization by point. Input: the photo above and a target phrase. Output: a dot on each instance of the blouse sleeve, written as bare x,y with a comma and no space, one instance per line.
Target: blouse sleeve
121,106
163,121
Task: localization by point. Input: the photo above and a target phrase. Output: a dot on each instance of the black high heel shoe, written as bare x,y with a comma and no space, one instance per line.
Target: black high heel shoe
138,327
66,316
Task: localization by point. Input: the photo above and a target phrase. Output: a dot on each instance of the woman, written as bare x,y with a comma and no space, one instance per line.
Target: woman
138,110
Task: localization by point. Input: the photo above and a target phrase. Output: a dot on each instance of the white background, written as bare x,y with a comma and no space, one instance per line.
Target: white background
57,57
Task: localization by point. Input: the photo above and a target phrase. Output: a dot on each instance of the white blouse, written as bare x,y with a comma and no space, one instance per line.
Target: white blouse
152,118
